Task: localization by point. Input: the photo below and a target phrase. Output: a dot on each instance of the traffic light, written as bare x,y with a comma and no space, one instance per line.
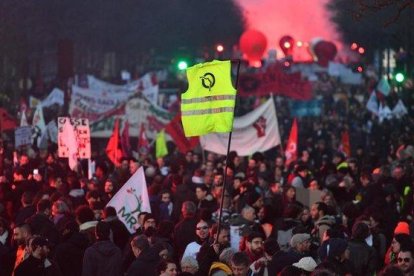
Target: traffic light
399,77
357,67
182,65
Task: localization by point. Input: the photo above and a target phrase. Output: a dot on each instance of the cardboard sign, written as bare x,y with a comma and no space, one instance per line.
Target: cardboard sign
83,136
23,136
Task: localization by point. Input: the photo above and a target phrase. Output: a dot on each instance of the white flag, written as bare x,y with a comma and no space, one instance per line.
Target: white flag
91,168
23,120
33,102
38,124
68,138
384,113
57,96
256,131
399,109
384,87
372,104
52,131
131,200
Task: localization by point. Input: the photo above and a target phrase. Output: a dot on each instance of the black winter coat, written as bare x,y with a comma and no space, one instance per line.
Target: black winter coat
145,264
103,258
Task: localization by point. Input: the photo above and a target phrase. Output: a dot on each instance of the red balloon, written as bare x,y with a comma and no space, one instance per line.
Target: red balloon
325,51
286,43
253,44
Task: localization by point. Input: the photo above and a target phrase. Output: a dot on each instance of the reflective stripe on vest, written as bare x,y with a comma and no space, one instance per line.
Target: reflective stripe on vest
208,99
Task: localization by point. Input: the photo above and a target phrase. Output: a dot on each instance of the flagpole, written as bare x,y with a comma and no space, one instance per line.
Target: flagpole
281,140
226,164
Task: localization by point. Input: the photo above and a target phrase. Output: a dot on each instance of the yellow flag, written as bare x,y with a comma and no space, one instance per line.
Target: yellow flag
161,145
208,104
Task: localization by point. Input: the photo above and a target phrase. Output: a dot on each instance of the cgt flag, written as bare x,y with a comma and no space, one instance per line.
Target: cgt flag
345,146
291,152
131,200
125,145
208,104
6,120
113,150
257,131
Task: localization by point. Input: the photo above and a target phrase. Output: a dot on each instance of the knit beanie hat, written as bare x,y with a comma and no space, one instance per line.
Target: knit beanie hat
402,228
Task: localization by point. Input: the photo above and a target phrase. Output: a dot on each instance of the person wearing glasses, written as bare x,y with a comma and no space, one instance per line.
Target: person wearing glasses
405,260
254,246
202,235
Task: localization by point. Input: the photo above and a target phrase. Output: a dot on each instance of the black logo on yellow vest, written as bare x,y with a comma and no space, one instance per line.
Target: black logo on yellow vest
208,81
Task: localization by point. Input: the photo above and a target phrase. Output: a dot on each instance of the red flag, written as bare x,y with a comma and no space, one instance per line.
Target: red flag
291,152
176,131
112,149
345,144
143,143
126,146
6,120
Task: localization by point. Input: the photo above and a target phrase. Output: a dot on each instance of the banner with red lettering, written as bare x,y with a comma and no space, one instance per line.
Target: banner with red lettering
274,80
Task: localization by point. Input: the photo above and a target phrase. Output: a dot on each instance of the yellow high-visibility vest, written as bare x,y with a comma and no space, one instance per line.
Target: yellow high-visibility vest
208,104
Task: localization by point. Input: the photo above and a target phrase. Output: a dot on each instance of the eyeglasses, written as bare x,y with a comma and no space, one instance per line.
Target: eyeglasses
202,228
406,260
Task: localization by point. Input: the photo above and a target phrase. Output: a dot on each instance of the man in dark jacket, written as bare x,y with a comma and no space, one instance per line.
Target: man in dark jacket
184,231
146,259
103,257
211,250
37,262
300,245
362,256
69,252
27,210
42,225
119,230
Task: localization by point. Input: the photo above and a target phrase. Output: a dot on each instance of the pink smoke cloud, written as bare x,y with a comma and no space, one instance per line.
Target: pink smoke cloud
301,19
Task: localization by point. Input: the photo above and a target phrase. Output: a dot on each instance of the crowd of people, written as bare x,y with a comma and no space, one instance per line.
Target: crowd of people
54,221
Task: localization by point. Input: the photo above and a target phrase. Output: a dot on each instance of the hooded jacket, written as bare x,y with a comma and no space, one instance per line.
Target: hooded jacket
144,264
102,258
69,254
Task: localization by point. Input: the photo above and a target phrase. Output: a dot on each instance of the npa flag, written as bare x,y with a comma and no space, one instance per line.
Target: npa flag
131,200
176,131
113,150
161,149
68,138
345,146
291,151
143,143
125,145
256,131
6,120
